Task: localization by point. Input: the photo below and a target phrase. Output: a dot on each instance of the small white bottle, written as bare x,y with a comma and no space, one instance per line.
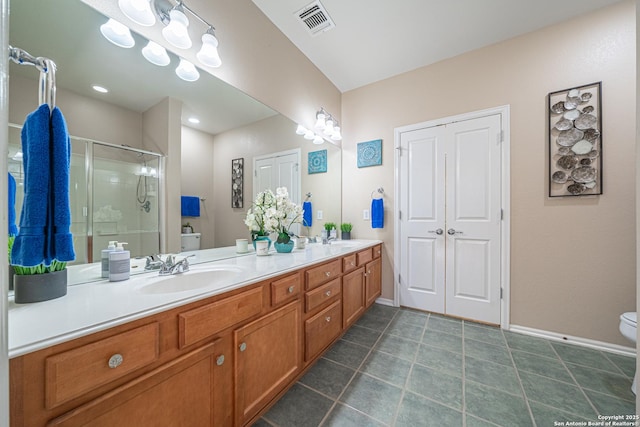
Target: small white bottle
119,263
104,257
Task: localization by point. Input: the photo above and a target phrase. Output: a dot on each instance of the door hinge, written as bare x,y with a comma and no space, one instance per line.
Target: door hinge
501,289
399,281
501,214
400,215
399,148
501,136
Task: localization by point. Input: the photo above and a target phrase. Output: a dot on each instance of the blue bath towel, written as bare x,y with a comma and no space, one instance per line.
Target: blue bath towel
59,235
190,205
307,215
377,213
11,215
30,248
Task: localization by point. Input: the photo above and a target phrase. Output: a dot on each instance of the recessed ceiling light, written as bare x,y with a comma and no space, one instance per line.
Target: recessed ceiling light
100,89
193,120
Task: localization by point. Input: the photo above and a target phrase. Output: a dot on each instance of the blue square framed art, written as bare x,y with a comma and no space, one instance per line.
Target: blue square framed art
370,153
317,161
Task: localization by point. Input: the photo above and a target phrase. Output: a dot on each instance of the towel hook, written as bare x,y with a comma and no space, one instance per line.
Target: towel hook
308,196
380,190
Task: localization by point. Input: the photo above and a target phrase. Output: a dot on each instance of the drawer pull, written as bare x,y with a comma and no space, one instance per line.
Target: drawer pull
353,264
328,319
328,293
328,273
291,288
115,360
220,360
379,252
243,346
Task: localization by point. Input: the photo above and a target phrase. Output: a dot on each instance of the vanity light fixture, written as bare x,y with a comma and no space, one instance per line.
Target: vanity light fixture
321,116
117,34
301,130
318,140
309,135
193,120
139,11
326,126
156,54
187,71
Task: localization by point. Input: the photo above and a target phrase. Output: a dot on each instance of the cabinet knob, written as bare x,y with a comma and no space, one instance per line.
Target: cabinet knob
328,293
353,264
291,288
328,319
243,346
115,360
220,360
328,273
379,252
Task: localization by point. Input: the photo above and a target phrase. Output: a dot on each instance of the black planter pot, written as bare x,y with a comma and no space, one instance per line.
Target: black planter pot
346,235
39,287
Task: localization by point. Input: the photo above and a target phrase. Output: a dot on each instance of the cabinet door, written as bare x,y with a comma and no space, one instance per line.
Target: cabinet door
352,296
179,393
373,282
268,355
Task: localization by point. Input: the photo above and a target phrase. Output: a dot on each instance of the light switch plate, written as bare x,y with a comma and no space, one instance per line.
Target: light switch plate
365,214
319,214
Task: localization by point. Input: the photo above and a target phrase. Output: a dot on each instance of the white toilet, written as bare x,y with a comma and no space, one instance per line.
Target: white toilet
190,242
628,327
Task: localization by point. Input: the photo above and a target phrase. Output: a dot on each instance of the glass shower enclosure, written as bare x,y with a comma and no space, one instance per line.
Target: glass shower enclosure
115,194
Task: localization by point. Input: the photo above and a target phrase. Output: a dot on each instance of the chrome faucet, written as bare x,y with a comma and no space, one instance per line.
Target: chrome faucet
153,262
169,266
327,240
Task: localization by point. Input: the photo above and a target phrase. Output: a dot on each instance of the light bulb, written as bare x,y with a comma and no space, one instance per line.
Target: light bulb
208,53
318,140
156,54
328,127
117,34
309,135
187,71
320,123
301,130
139,11
176,32
336,135
144,171
153,172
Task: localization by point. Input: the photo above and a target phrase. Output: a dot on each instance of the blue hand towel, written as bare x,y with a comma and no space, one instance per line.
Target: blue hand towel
13,229
190,205
60,237
307,215
29,247
377,213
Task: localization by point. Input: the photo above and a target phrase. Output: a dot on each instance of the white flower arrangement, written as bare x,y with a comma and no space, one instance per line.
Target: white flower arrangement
273,214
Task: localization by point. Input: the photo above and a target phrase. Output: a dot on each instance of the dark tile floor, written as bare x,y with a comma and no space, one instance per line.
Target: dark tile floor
398,367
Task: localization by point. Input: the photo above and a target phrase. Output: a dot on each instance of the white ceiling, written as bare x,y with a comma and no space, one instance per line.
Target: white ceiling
376,39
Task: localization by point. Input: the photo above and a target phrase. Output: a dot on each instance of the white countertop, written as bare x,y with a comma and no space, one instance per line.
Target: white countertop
99,305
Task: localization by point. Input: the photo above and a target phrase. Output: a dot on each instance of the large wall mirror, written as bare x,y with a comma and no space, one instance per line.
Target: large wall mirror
232,124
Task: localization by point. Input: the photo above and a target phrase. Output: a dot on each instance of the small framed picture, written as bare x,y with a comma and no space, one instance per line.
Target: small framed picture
237,178
370,153
317,162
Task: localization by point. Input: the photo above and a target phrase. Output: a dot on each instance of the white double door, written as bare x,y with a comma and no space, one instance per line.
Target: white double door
450,189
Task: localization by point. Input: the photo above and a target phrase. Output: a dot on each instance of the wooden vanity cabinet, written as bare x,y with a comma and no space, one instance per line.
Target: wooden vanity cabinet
221,361
268,357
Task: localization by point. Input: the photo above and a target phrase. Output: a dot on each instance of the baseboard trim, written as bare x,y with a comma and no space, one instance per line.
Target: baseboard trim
385,301
584,342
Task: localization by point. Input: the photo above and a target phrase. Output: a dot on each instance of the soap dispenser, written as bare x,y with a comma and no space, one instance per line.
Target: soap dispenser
119,263
104,257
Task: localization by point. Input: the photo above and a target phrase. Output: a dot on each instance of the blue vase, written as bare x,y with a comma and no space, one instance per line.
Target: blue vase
256,238
284,248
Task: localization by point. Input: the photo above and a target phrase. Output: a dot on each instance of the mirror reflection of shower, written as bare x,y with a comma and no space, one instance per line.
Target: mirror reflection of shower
144,187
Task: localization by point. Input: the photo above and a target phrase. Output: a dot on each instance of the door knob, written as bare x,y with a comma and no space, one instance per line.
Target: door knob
451,232
438,231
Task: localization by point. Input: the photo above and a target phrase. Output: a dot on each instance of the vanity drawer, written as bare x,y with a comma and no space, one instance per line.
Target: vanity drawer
285,289
349,263
317,297
377,251
75,372
318,275
206,321
322,329
364,257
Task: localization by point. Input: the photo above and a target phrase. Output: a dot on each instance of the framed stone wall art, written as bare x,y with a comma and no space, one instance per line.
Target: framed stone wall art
237,178
370,153
575,141
317,162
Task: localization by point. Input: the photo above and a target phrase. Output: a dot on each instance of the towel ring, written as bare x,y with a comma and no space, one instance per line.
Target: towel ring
380,190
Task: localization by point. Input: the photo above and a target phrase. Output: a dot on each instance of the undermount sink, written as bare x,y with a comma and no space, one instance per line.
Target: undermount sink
190,280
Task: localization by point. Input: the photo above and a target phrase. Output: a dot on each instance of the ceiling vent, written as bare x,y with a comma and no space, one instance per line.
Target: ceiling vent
315,18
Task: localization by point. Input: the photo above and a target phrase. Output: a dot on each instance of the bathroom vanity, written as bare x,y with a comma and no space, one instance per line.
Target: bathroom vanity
217,345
